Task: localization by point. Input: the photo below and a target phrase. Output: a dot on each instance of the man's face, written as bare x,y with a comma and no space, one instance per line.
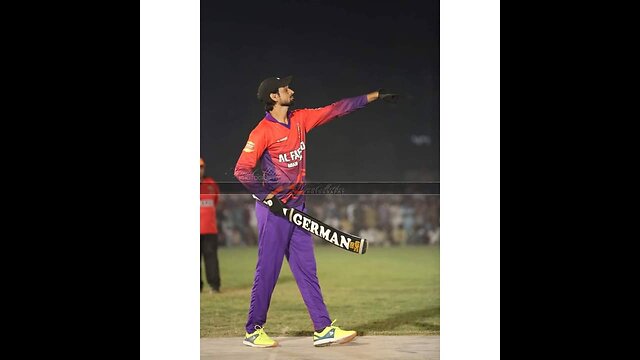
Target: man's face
285,96
201,168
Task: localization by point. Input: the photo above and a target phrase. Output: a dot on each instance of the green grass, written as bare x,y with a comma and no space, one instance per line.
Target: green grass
387,291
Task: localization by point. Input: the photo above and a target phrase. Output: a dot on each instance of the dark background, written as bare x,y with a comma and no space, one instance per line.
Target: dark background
334,50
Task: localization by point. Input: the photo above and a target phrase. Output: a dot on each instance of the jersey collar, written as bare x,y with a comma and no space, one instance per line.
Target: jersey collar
270,117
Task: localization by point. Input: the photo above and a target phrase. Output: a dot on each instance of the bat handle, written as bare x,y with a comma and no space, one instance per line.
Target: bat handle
284,209
364,246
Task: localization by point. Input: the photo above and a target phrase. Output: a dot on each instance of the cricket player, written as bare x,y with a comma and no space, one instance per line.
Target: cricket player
278,145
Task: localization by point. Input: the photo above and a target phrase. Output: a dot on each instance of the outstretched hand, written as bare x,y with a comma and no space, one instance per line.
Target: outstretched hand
387,96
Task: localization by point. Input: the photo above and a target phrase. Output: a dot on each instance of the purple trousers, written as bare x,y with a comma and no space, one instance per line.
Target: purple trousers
278,238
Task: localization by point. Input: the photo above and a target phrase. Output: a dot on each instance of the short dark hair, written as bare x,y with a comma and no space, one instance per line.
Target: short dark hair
268,104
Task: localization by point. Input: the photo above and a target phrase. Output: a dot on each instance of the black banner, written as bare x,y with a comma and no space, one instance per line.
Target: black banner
348,188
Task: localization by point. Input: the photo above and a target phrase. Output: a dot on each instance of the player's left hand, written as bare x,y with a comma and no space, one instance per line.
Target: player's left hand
275,205
387,96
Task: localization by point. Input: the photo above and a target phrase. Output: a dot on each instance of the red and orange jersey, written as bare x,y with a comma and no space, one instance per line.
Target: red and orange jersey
280,150
209,192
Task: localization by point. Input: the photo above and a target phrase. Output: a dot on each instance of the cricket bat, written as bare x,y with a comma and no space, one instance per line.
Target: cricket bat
341,239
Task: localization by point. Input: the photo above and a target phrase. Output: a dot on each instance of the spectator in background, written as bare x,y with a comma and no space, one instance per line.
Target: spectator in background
209,192
253,224
399,235
384,215
408,221
434,236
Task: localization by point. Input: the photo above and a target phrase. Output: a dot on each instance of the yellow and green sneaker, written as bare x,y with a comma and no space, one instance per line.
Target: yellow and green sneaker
259,338
332,335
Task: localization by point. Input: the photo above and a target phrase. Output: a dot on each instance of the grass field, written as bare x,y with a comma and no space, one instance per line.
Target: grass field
387,291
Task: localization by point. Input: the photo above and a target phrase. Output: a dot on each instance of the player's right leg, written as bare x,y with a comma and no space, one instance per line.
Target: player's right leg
274,233
259,338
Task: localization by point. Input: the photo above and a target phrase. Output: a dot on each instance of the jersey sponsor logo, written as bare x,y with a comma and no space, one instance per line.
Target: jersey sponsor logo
283,139
292,158
206,203
249,147
325,233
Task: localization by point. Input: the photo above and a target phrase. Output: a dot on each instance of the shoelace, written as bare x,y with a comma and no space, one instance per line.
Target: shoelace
259,328
331,326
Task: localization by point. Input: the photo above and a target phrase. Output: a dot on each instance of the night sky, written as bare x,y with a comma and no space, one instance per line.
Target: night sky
333,50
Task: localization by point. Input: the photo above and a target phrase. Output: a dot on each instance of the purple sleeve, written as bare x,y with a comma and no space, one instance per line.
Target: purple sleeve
321,116
251,154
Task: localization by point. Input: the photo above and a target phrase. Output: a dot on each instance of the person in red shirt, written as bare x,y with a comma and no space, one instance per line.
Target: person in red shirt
209,229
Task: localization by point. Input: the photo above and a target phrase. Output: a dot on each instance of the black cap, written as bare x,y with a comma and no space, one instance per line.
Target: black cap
271,85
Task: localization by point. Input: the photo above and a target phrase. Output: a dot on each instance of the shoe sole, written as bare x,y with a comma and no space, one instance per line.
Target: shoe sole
259,346
343,340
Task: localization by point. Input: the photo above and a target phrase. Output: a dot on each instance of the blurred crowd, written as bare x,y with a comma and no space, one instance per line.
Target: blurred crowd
384,220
